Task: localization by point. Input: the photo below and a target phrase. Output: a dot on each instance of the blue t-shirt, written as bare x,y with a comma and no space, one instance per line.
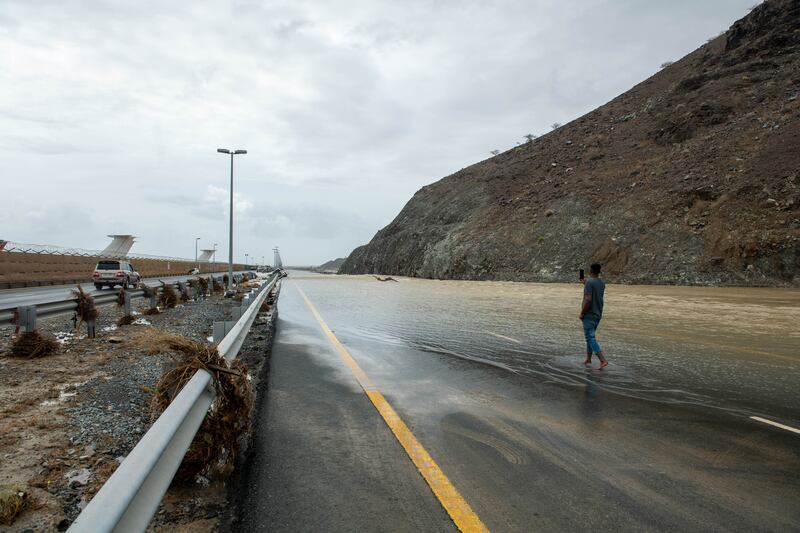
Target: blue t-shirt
595,287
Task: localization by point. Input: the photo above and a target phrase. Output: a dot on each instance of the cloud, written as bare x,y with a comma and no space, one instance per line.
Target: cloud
346,107
306,221
56,224
217,198
42,145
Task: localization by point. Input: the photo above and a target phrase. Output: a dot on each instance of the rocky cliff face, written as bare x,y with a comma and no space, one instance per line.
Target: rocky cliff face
331,266
689,177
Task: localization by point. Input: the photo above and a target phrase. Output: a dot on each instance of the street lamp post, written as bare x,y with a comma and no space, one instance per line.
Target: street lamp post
196,262
230,226
245,260
214,256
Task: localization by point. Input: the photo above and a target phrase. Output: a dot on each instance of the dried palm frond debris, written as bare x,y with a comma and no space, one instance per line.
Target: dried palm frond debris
215,446
86,309
149,292
217,286
13,500
203,285
32,345
185,296
194,283
169,297
121,298
125,320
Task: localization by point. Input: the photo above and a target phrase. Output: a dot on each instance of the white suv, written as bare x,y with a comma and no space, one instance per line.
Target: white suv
112,272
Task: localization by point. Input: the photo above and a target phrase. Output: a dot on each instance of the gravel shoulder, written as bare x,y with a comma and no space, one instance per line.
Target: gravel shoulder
68,420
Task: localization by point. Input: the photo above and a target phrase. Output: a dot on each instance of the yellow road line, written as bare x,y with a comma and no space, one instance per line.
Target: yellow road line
456,506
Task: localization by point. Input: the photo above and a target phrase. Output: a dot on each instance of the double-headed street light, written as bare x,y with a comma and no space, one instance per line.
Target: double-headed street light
230,228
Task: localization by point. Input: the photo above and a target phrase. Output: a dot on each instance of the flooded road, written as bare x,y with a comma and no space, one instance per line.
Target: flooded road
484,381
723,348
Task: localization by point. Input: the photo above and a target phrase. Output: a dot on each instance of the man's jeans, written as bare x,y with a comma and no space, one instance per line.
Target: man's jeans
590,323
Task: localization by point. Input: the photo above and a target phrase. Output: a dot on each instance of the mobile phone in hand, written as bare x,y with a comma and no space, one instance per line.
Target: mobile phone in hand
581,275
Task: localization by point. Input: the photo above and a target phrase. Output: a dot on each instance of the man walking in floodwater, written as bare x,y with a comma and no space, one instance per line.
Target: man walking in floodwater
592,312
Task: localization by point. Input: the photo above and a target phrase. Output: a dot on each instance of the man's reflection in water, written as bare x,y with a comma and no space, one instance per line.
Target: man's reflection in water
591,395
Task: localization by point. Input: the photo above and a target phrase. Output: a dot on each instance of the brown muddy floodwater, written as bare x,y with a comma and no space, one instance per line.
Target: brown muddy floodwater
734,349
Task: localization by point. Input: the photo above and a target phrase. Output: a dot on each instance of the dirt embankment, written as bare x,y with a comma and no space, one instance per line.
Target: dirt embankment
690,177
68,420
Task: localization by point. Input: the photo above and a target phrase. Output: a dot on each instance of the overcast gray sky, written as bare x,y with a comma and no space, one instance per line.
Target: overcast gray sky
111,112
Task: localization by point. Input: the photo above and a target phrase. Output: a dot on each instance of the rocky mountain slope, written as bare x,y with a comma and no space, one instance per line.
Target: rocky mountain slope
689,177
330,266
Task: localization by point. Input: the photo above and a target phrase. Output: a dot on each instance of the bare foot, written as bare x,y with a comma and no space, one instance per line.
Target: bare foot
587,362
603,364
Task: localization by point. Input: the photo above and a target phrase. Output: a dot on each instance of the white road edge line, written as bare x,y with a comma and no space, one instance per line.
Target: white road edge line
776,424
502,337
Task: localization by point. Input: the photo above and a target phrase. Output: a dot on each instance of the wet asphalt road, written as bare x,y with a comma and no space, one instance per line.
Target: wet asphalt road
10,298
531,439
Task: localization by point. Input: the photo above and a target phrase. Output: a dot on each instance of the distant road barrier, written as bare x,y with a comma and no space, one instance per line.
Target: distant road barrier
26,316
50,249
131,496
26,265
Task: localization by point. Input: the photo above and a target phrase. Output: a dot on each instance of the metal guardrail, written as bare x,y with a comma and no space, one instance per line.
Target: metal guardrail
131,496
58,307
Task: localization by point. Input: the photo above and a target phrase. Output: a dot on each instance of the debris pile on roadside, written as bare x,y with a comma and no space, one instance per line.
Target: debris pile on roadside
217,441
33,345
13,500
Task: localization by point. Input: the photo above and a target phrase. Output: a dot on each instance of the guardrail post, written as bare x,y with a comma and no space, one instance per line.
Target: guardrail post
27,317
245,301
126,306
90,328
219,332
221,328
153,303
236,313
